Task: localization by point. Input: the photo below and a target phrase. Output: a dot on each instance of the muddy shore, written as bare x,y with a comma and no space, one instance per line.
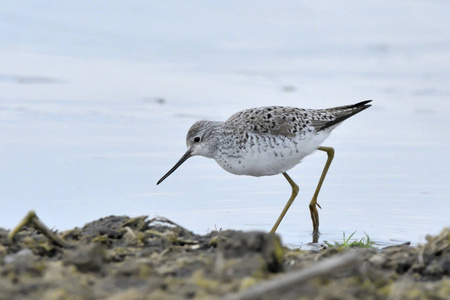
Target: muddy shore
119,257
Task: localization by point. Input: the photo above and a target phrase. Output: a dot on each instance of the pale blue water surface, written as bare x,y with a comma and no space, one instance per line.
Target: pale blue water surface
96,99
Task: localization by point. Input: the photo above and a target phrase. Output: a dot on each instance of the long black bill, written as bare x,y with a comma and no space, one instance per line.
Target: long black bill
182,160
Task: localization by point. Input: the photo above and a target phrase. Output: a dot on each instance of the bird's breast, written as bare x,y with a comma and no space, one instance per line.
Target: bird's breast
265,155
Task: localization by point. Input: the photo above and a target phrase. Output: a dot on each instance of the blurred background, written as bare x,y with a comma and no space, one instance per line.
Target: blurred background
96,98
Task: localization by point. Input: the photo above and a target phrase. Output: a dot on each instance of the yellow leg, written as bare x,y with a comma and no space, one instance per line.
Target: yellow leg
313,203
288,204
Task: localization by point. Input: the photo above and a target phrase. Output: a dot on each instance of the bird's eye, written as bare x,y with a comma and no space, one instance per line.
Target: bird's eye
196,139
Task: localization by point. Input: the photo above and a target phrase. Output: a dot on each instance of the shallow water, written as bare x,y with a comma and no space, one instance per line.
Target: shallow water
94,111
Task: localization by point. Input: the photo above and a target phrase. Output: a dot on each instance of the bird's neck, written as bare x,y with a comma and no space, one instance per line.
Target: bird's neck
213,134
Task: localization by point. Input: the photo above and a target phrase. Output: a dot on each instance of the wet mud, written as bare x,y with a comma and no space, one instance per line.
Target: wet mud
119,257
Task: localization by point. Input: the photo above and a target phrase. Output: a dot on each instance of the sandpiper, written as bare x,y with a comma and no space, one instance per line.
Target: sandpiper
266,141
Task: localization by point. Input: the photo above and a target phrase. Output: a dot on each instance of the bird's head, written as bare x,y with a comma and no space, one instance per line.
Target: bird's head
199,141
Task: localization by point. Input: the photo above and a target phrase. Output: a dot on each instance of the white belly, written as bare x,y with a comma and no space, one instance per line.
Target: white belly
269,156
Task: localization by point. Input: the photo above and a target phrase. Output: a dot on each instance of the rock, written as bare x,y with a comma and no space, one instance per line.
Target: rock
90,258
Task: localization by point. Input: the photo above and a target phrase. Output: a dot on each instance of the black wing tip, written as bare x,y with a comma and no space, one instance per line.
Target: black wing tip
358,107
363,104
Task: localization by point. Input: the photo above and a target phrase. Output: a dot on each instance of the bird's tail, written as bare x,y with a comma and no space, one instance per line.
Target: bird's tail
344,112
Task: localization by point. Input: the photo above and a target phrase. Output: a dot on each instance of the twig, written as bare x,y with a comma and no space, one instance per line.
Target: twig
32,219
296,278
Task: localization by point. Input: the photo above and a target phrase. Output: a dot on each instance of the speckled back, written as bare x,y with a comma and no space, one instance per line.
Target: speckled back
279,120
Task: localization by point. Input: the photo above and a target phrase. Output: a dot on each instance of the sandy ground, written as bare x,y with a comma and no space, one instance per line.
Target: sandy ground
118,257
